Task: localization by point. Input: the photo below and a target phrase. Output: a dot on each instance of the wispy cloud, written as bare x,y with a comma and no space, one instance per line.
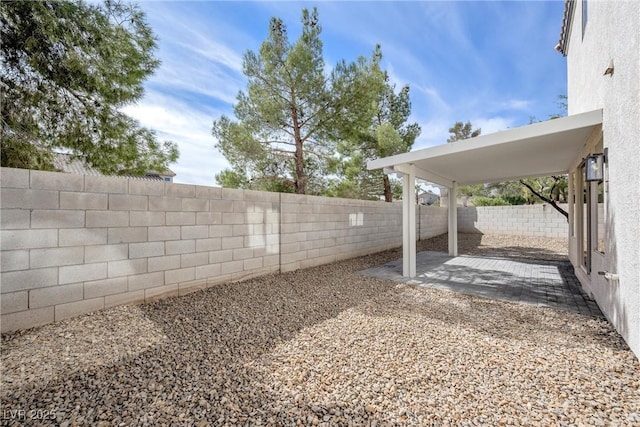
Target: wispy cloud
195,58
491,63
434,132
212,50
492,124
516,104
190,128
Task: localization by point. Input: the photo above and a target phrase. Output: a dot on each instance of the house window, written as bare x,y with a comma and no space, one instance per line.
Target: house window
167,179
585,17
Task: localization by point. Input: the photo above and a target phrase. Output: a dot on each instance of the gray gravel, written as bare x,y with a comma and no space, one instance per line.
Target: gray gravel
324,346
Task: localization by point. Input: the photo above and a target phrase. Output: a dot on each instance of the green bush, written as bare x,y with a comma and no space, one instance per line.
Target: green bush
515,200
489,201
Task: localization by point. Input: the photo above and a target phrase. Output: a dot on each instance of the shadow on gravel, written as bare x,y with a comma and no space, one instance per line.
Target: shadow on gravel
200,367
198,372
507,322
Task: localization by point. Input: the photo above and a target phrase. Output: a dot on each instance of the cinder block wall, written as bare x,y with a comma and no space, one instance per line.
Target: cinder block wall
73,244
432,221
525,220
319,230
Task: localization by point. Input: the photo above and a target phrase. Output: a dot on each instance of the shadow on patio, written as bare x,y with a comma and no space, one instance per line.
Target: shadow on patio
539,282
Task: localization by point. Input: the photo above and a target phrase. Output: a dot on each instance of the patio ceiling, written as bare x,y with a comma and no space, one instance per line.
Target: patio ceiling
540,149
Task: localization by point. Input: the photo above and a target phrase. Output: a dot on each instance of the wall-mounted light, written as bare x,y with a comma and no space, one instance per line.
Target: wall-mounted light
594,167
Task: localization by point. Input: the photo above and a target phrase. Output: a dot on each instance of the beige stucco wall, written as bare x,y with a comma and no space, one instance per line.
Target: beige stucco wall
612,33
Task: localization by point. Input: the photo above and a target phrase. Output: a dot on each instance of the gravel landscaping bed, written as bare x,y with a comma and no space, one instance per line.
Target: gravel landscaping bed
323,346
527,247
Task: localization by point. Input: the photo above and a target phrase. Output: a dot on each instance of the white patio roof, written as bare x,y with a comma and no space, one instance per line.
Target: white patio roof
540,149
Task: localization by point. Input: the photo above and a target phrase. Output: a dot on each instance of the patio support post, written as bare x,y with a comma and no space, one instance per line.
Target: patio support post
453,220
409,223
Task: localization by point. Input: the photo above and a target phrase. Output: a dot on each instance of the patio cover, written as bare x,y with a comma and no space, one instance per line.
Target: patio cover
540,149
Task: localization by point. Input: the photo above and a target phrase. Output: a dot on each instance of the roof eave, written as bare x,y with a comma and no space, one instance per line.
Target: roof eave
565,31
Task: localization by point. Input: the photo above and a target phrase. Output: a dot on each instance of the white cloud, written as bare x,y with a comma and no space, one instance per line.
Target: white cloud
435,100
517,104
213,50
459,65
197,55
190,128
201,80
492,124
434,132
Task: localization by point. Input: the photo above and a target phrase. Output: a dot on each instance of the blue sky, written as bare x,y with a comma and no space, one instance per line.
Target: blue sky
490,62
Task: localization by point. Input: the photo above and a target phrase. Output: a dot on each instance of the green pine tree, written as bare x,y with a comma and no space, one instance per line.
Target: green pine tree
292,112
67,68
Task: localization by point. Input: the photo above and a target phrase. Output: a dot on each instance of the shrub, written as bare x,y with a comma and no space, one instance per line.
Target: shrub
515,200
489,201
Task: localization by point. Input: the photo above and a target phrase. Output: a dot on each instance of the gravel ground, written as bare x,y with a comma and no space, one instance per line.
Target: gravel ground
323,346
501,245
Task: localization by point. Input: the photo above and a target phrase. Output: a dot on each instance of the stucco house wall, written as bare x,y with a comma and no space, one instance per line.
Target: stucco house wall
602,32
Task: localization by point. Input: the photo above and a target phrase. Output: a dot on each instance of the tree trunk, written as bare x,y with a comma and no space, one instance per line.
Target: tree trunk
300,178
388,196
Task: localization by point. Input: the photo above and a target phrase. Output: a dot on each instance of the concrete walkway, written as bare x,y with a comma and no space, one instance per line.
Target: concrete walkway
542,283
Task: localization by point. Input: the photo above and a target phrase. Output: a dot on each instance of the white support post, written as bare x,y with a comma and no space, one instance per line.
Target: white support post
453,220
412,221
405,225
409,224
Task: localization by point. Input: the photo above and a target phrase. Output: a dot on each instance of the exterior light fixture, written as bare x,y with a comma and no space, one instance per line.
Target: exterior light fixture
594,167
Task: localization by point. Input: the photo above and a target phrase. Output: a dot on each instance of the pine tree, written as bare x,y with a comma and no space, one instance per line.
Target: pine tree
67,69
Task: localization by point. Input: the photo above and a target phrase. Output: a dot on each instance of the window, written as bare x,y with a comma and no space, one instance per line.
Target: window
167,179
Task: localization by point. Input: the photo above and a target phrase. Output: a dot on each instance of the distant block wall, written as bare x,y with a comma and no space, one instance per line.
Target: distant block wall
73,244
525,220
431,221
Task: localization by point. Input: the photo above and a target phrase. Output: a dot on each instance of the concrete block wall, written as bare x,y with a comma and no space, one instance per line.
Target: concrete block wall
319,230
72,244
432,221
525,220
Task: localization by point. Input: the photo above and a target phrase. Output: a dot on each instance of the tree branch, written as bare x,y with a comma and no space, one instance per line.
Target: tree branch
277,150
275,141
546,199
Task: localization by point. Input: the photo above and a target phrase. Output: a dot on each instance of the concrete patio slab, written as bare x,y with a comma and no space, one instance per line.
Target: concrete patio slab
538,282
